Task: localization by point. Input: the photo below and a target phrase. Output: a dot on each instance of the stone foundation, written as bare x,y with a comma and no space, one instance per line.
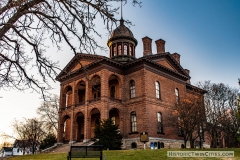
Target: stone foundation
154,143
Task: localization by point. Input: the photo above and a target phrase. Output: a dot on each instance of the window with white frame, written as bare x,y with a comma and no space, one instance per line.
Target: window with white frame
177,95
133,122
132,89
157,87
125,49
130,50
119,49
159,120
114,50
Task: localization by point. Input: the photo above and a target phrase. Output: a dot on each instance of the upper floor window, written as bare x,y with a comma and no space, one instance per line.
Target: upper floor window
177,95
114,50
66,100
119,49
132,89
160,126
157,86
130,50
125,49
112,92
133,122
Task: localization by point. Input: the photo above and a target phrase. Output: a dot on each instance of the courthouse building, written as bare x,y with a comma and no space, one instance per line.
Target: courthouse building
136,93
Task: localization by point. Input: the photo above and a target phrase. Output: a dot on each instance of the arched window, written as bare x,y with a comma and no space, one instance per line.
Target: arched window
157,86
133,122
177,95
132,89
66,100
119,49
125,49
160,126
130,50
114,50
64,126
112,92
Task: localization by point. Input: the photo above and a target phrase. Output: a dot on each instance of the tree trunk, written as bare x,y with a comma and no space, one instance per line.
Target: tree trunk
192,143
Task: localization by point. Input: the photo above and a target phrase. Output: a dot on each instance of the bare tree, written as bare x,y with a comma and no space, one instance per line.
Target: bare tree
48,112
25,25
5,144
222,123
29,131
189,116
238,116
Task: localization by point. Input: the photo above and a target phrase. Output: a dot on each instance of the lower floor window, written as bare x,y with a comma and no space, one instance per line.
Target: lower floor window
133,122
160,127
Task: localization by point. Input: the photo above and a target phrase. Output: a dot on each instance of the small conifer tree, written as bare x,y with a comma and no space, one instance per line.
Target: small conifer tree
108,135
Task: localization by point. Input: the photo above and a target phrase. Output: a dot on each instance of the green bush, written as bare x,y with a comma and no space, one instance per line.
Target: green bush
48,141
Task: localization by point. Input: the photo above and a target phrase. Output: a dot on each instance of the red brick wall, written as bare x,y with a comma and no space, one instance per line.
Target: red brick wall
144,104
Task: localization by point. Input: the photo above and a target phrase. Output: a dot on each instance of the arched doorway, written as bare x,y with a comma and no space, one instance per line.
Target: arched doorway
79,127
66,128
114,116
95,120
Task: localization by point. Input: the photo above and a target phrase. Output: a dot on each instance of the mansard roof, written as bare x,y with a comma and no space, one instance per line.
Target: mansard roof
147,60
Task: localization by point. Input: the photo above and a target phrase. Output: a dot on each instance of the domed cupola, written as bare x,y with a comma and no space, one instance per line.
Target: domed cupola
122,44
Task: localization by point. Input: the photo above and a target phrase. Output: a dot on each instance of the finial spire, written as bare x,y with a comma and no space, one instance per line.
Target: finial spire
121,20
121,9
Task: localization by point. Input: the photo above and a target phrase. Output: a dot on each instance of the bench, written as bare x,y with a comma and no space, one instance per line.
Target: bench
93,151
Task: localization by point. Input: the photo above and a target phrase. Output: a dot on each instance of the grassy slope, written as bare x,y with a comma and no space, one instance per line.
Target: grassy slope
127,155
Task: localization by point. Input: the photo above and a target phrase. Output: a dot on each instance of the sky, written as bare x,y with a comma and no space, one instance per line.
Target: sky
205,33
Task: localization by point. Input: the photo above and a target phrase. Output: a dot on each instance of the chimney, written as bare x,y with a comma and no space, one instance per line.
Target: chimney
160,46
147,46
176,56
188,72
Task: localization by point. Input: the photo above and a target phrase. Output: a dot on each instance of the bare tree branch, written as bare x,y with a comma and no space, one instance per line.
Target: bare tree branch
28,24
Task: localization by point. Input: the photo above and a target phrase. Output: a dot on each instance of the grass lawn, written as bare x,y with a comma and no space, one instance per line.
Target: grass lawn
130,155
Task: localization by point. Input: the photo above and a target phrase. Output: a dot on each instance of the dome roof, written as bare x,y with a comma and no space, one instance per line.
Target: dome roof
121,31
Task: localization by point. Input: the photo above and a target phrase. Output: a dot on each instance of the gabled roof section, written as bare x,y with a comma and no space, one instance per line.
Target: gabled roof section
159,67
74,64
171,67
98,60
166,59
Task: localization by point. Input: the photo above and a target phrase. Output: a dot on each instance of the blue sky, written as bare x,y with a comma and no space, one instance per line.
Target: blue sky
205,33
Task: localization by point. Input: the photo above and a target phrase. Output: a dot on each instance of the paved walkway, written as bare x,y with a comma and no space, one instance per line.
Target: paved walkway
64,148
